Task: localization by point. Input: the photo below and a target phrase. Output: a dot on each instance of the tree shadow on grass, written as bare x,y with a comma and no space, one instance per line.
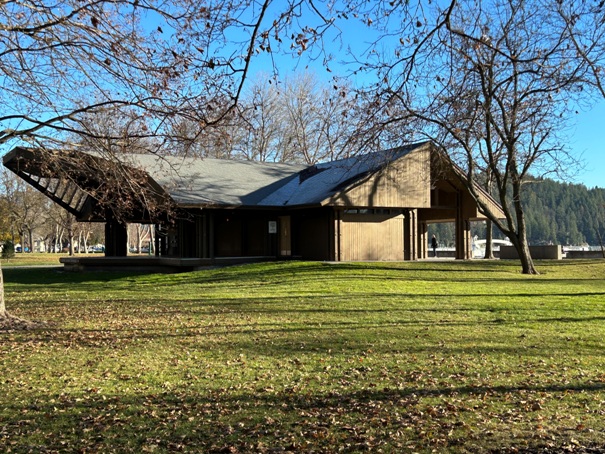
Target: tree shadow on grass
282,273
276,339
260,419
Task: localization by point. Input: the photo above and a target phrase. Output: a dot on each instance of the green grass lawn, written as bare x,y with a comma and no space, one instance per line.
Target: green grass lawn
34,259
307,357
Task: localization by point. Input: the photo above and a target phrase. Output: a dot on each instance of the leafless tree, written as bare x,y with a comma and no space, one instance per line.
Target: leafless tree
64,223
218,140
138,234
495,83
263,121
300,119
26,208
63,59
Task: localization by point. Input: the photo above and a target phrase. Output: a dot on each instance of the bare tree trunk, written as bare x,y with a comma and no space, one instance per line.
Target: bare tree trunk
519,240
70,236
152,248
139,238
489,226
83,240
3,312
527,263
58,239
489,236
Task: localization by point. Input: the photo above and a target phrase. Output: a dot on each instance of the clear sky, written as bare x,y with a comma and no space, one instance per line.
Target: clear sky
587,139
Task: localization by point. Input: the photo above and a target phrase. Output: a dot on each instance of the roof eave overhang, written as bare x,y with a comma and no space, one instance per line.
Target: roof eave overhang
460,175
23,162
58,176
217,206
487,198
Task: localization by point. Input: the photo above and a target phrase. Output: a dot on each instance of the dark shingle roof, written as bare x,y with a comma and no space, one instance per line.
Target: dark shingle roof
332,177
203,182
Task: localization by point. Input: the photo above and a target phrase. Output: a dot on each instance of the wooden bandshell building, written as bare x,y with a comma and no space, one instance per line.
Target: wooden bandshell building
374,206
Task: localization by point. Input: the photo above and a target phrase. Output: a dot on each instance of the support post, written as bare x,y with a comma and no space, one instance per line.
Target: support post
337,233
423,238
410,235
211,239
116,239
463,232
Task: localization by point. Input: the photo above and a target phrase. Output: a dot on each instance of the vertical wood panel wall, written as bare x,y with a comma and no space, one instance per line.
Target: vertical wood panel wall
402,183
371,237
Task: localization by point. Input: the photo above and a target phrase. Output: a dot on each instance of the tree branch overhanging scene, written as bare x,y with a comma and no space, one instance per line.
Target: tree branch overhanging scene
186,136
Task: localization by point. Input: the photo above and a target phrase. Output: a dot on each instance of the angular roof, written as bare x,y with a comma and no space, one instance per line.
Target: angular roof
322,181
195,182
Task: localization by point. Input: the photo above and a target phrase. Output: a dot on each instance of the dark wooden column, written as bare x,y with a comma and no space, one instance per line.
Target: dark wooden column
116,239
210,252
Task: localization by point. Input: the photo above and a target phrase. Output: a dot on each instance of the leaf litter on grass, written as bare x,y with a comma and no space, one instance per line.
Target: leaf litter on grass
306,357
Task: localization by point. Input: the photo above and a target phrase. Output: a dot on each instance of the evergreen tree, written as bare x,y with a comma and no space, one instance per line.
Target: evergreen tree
563,213
556,213
8,250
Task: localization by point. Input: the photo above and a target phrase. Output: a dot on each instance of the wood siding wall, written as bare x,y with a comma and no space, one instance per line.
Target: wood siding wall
403,183
371,237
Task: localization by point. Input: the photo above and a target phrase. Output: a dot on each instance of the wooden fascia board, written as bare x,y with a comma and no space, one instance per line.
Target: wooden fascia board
482,193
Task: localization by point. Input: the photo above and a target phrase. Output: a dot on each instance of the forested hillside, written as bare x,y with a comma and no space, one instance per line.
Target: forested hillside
563,213
557,213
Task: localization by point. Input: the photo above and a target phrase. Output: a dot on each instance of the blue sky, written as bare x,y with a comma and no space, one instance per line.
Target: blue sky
587,139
